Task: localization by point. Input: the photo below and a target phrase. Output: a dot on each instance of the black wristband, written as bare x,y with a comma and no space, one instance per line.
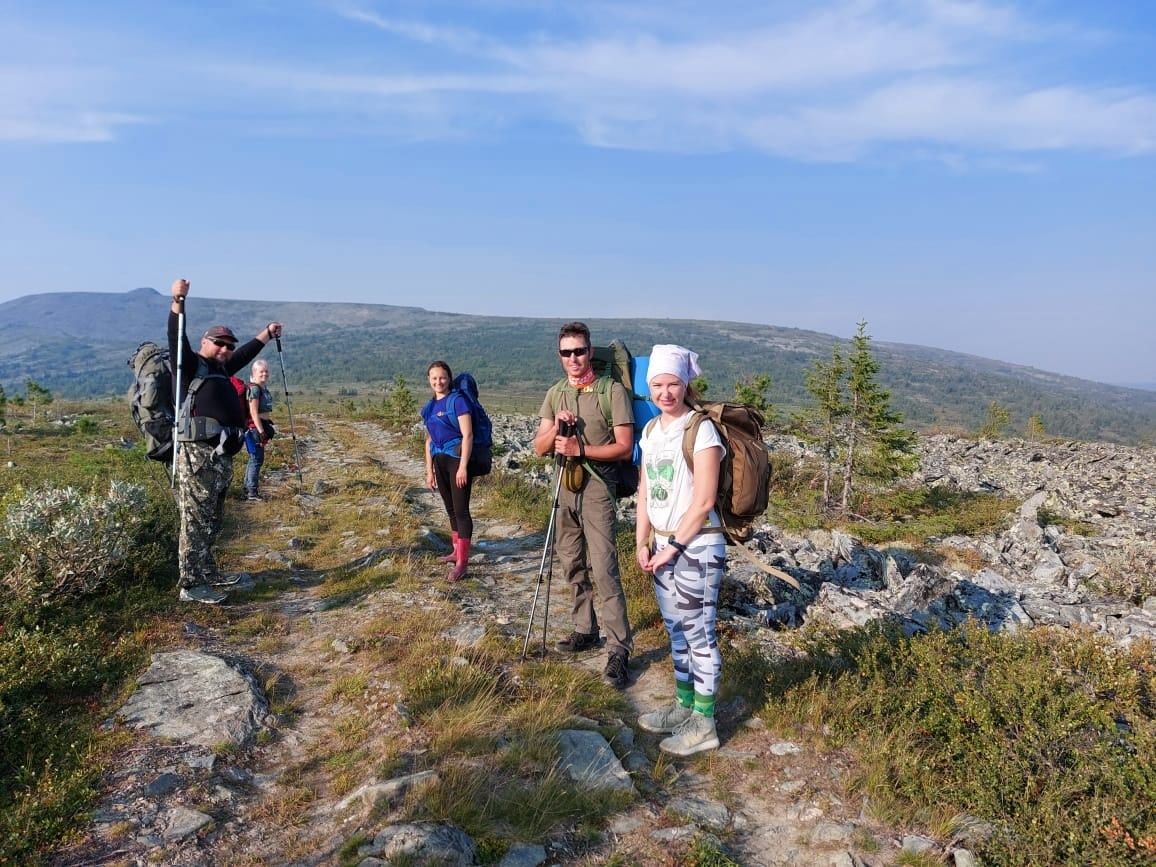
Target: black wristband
677,545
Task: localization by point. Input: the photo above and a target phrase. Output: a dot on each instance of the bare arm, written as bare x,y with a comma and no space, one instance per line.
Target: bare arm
466,425
544,438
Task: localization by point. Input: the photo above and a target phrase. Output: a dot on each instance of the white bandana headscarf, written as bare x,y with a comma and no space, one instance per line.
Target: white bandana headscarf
677,360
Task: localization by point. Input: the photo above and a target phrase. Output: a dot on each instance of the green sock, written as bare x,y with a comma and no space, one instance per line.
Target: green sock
685,693
704,704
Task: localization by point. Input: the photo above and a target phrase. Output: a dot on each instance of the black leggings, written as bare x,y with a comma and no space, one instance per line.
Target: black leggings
457,500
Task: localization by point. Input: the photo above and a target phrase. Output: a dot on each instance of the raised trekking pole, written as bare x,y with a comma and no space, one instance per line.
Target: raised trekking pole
177,392
289,406
547,558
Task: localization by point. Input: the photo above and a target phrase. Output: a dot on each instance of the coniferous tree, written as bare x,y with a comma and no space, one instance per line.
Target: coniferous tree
1035,428
826,383
37,395
996,422
752,390
876,447
400,405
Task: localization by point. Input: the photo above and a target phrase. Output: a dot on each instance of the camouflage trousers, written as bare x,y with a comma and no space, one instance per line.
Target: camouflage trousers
687,590
202,480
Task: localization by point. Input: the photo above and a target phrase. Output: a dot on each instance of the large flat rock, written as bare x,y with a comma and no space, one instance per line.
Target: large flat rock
195,698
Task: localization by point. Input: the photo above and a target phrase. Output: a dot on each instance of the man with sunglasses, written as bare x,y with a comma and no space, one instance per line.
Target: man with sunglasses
573,426
210,430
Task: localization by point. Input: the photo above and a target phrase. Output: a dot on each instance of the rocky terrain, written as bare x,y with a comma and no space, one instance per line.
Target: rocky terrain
216,774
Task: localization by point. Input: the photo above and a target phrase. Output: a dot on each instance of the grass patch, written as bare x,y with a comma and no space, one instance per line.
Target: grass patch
1049,736
486,802
917,515
513,497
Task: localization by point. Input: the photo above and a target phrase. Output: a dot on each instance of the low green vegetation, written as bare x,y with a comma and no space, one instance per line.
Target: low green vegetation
1048,738
73,627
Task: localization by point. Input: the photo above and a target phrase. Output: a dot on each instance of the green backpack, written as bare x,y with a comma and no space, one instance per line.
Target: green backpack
611,364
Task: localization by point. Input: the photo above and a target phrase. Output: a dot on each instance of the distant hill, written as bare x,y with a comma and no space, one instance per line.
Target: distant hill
77,344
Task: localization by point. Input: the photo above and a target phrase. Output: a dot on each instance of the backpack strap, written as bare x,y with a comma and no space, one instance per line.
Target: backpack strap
690,435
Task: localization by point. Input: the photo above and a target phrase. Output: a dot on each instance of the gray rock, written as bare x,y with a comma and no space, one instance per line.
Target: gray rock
523,855
832,832
674,835
180,822
467,634
422,843
195,698
372,794
917,844
701,810
785,748
586,758
964,858
1049,567
162,785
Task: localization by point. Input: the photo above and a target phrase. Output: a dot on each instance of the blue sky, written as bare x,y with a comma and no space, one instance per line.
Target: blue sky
977,176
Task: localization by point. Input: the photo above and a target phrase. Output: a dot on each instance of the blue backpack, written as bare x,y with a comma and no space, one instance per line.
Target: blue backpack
465,387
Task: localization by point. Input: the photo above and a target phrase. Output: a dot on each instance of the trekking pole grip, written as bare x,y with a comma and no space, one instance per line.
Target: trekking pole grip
278,339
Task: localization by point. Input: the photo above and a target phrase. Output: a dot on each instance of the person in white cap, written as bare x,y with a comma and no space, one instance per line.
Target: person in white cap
680,542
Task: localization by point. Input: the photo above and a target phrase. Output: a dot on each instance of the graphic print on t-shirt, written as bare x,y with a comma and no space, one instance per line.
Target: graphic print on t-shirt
660,477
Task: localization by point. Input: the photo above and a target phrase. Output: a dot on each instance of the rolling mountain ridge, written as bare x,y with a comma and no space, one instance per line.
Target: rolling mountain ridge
77,345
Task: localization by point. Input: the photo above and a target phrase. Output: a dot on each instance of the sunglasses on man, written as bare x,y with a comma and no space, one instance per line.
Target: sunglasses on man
224,344
578,350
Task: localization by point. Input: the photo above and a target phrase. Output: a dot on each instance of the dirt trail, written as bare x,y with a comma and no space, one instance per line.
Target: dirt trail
774,803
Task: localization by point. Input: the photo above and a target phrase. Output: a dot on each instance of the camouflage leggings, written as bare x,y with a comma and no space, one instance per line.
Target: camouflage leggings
202,480
687,590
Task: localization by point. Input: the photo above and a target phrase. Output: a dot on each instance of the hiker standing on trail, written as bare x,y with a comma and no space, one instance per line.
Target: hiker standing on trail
449,442
573,427
209,433
258,426
680,541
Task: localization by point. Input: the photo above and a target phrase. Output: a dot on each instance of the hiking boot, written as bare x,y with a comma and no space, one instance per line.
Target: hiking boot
617,672
576,642
230,580
695,734
665,720
254,497
202,593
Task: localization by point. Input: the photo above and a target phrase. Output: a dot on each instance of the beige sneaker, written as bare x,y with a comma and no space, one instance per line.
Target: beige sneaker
665,720
697,733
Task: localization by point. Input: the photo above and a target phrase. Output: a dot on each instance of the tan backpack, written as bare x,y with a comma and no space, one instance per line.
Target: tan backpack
745,474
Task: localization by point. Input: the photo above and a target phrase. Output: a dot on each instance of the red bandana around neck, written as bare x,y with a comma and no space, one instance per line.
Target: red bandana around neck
582,381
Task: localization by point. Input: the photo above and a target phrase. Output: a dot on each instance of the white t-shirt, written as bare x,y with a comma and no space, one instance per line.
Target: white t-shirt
669,481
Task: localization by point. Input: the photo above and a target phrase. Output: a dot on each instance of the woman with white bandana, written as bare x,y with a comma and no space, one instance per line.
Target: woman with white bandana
681,542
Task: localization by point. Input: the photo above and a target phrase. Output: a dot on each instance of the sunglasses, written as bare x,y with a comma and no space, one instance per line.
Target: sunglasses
224,344
578,350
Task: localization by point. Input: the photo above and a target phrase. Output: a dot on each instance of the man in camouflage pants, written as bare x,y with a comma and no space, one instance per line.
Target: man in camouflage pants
209,433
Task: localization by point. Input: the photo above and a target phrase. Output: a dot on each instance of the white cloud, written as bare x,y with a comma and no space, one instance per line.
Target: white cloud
56,104
803,80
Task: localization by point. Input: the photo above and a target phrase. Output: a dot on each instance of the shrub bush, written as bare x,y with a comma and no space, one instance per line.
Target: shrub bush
60,543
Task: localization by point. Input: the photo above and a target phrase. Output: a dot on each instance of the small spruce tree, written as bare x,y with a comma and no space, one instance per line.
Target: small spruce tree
752,390
996,422
400,405
36,395
826,383
1035,428
876,446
